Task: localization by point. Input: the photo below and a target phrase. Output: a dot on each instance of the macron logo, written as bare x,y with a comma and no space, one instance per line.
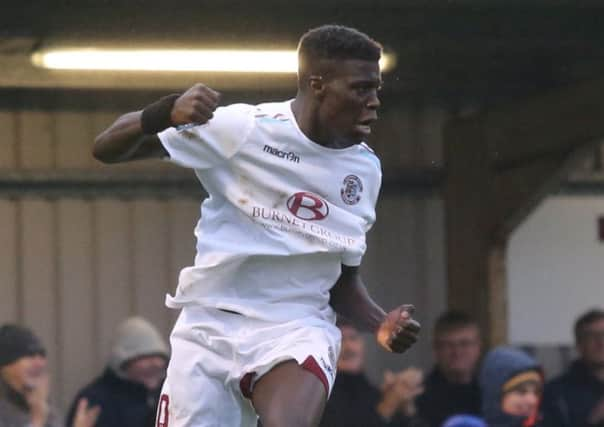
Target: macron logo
288,155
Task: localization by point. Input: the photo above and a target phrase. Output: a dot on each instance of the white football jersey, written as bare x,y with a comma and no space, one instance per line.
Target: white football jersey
283,212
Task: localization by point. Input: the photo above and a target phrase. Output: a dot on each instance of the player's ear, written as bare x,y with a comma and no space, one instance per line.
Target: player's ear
316,85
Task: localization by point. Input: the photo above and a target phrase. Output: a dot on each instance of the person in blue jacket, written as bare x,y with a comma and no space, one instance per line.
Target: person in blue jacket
511,384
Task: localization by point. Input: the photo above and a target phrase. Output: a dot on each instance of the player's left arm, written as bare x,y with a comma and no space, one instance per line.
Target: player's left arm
395,331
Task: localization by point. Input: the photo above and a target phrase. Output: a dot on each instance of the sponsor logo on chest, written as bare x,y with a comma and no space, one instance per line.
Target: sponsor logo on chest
308,206
307,211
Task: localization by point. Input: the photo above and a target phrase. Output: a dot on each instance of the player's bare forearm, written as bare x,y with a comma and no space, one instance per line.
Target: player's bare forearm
349,298
124,140
395,331
133,136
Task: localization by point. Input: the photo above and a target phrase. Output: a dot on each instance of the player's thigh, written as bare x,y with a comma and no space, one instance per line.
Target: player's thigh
202,403
289,395
194,392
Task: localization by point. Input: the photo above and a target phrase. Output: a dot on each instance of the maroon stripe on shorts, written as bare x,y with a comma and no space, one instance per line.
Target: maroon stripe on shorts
245,384
311,365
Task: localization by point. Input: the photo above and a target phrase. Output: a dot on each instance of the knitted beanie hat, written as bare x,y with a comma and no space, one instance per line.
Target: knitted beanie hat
135,338
17,342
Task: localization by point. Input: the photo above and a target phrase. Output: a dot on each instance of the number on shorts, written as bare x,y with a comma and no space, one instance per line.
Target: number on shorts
163,414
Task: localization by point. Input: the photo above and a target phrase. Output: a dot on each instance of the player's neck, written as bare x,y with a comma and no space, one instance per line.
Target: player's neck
308,122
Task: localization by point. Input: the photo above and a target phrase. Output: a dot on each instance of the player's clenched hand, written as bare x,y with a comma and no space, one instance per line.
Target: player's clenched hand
399,330
196,105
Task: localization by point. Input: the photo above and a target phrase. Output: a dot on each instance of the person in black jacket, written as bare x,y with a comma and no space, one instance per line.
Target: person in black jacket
128,390
452,386
355,402
576,398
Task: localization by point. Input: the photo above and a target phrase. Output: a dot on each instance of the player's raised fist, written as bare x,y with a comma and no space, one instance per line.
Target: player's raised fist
399,330
196,105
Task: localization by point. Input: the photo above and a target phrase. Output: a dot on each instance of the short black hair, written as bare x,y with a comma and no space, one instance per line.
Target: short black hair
585,319
18,341
452,320
336,42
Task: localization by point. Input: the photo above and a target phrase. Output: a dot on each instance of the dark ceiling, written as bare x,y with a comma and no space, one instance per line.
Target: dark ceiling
477,51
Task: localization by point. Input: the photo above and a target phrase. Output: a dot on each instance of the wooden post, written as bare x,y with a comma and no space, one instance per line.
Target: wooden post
499,166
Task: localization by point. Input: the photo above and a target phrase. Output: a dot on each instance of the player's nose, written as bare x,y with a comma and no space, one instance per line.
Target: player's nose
373,102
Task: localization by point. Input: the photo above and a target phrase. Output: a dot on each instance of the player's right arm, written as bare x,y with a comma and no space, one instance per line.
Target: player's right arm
133,136
395,331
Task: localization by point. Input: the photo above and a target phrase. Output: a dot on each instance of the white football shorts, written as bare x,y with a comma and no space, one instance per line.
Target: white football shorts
217,357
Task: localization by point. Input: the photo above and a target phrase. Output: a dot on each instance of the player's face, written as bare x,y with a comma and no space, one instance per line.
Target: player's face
591,343
457,351
350,100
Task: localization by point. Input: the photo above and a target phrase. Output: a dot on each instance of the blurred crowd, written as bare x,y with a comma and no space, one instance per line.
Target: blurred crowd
124,395
505,388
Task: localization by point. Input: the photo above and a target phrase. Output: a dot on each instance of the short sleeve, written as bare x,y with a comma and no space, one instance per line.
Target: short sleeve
353,260
373,191
205,146
373,184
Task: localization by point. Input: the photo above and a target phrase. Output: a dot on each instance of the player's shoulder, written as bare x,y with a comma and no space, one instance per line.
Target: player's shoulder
264,113
273,112
367,153
239,108
231,117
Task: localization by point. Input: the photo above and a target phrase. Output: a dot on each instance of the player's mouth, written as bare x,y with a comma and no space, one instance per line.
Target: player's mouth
364,126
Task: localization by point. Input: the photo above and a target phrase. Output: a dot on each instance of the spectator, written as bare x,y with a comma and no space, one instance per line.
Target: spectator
576,398
355,402
464,421
452,387
24,383
511,383
128,390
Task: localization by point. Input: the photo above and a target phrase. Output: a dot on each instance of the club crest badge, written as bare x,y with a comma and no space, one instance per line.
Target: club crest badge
351,190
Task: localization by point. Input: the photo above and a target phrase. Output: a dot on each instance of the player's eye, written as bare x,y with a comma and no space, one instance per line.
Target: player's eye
364,89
